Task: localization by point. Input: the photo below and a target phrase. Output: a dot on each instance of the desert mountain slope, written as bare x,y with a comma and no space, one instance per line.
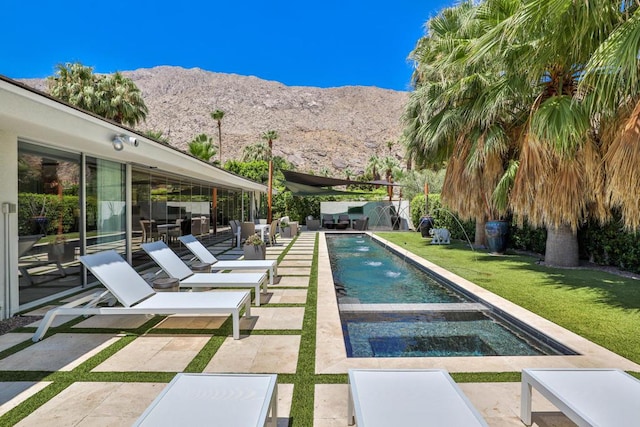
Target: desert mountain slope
334,128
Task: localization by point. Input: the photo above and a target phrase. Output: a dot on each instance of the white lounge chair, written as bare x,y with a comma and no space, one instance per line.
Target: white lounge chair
233,400
408,397
137,297
176,268
203,255
588,397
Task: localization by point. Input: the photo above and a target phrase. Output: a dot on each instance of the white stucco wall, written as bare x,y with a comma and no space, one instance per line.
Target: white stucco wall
8,233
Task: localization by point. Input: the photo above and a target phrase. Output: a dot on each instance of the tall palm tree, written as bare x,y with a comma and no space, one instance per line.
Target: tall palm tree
270,136
372,167
202,147
217,116
531,126
559,181
389,164
613,82
460,114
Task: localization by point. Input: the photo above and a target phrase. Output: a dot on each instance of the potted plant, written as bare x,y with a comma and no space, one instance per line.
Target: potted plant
254,248
285,229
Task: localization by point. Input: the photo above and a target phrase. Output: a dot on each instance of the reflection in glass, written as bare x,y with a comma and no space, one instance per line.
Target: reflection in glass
106,214
48,221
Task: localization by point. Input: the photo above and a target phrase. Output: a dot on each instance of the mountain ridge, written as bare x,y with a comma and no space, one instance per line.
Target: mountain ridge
335,128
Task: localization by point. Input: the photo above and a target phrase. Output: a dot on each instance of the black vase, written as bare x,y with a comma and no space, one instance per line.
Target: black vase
497,233
426,224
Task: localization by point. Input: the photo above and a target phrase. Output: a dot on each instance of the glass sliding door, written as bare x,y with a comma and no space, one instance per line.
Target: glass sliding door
106,214
48,221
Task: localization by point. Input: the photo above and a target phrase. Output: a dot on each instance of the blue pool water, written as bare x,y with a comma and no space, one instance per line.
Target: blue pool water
446,324
367,273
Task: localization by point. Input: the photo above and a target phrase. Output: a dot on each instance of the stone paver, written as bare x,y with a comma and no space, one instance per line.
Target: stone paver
57,321
257,353
286,296
294,263
59,352
14,393
95,404
273,318
290,257
293,281
178,321
11,339
155,354
124,321
294,271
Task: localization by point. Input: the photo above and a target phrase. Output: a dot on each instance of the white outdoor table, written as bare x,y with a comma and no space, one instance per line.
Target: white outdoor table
588,397
230,400
412,397
262,228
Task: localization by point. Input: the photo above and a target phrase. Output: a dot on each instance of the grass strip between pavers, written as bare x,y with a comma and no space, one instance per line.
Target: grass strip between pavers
302,401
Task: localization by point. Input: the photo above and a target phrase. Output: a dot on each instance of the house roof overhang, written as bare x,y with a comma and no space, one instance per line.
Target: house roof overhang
37,117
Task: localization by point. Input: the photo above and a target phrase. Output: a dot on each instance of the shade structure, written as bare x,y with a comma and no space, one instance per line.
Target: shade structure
303,184
308,190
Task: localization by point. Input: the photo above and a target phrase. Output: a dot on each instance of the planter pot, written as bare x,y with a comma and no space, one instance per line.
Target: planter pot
255,251
286,232
497,233
426,224
61,252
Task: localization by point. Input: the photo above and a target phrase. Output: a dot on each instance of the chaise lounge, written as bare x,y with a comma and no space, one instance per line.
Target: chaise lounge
203,255
241,400
174,267
381,398
588,397
126,286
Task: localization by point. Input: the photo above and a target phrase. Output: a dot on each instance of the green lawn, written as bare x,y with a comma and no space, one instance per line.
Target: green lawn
599,306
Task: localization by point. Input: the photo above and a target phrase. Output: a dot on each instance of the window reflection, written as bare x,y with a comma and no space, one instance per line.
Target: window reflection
48,221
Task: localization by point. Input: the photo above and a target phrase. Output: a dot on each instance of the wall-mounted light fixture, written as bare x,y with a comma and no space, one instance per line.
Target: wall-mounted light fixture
120,140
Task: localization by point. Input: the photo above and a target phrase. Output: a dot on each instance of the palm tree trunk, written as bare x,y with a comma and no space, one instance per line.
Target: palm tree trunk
220,141
561,247
481,236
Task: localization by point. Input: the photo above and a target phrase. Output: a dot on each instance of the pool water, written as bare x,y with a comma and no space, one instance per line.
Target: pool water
429,318
366,273
433,334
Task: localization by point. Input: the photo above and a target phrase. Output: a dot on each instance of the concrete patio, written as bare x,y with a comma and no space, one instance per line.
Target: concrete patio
107,359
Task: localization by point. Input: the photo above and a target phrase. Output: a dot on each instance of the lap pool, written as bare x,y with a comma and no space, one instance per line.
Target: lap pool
390,307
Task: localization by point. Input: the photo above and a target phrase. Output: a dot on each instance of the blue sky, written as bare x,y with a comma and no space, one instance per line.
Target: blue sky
299,43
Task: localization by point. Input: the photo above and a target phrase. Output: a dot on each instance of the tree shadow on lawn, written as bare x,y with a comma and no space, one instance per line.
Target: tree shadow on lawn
611,289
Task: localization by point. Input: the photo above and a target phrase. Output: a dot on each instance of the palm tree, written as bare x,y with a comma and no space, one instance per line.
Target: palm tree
202,147
114,97
257,151
121,100
373,165
516,116
157,135
217,116
270,136
74,83
612,80
460,116
389,164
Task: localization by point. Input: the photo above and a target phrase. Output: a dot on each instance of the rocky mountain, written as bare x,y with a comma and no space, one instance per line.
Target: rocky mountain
335,128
